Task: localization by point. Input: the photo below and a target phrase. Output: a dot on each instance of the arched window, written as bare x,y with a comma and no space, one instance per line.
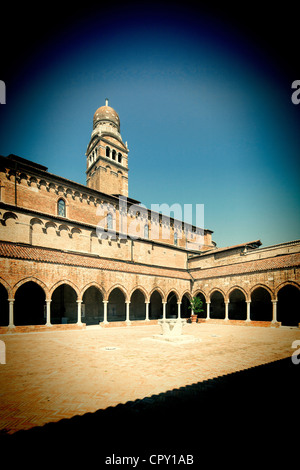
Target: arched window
109,221
107,151
119,158
61,208
113,154
175,239
146,231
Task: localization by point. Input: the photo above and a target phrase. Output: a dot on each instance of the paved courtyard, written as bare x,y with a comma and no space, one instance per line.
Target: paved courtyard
59,374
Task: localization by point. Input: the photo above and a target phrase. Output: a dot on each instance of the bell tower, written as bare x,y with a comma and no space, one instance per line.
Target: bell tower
107,155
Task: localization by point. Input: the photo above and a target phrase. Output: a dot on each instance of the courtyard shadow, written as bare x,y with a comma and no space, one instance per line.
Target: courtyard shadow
248,417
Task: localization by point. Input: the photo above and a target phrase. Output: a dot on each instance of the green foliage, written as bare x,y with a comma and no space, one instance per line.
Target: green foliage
196,305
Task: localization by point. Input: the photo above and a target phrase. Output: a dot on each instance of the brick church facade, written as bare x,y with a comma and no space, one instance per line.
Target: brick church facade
73,255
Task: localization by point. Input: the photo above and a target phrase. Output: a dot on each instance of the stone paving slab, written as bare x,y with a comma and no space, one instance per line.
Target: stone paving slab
53,375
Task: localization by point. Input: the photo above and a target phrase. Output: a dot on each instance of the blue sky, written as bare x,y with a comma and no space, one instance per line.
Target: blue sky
206,112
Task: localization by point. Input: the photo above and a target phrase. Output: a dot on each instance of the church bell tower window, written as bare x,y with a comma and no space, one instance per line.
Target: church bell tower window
61,208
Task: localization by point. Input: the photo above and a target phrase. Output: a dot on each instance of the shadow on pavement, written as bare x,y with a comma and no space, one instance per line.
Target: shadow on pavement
248,417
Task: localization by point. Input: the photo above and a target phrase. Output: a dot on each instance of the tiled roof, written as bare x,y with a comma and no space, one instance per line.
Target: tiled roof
267,264
48,255
253,244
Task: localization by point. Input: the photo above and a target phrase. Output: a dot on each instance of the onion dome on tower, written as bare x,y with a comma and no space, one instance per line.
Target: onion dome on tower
106,115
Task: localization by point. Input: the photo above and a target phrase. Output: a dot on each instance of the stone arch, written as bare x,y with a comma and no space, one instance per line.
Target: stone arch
159,290
201,294
201,291
217,303
261,303
87,286
92,310
117,298
263,286
31,279
185,311
121,288
67,282
237,307
288,304
156,298
142,289
187,293
29,305
283,284
235,287
64,297
175,291
138,298
172,304
216,289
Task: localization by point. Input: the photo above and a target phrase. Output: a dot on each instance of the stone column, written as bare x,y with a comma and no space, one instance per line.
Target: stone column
48,313
226,309
179,309
164,310
207,310
11,313
79,322
105,302
274,319
127,312
147,311
248,310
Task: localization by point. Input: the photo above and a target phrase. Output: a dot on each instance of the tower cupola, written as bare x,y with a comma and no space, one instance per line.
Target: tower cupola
107,155
105,115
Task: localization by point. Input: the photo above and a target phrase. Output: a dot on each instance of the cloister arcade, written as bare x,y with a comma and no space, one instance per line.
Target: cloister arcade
30,302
